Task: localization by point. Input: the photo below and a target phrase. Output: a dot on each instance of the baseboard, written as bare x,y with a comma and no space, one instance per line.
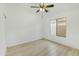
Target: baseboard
18,43
42,39
59,44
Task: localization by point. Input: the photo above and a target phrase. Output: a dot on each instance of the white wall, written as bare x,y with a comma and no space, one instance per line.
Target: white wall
2,32
72,38
22,24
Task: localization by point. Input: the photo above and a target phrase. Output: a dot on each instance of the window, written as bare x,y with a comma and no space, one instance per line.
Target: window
58,27
61,27
53,27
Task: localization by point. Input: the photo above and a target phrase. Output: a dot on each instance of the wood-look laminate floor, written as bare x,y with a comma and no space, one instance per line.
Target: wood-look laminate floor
41,48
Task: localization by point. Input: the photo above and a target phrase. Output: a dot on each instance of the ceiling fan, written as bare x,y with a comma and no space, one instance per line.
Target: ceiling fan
42,7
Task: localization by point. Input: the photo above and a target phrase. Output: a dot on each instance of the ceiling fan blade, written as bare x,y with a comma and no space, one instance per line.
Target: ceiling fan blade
34,6
46,10
48,6
37,10
41,5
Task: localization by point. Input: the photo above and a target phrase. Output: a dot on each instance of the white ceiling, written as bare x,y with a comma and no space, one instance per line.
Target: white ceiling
57,6
60,7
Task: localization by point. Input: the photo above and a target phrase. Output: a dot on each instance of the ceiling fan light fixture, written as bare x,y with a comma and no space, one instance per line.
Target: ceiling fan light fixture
42,9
